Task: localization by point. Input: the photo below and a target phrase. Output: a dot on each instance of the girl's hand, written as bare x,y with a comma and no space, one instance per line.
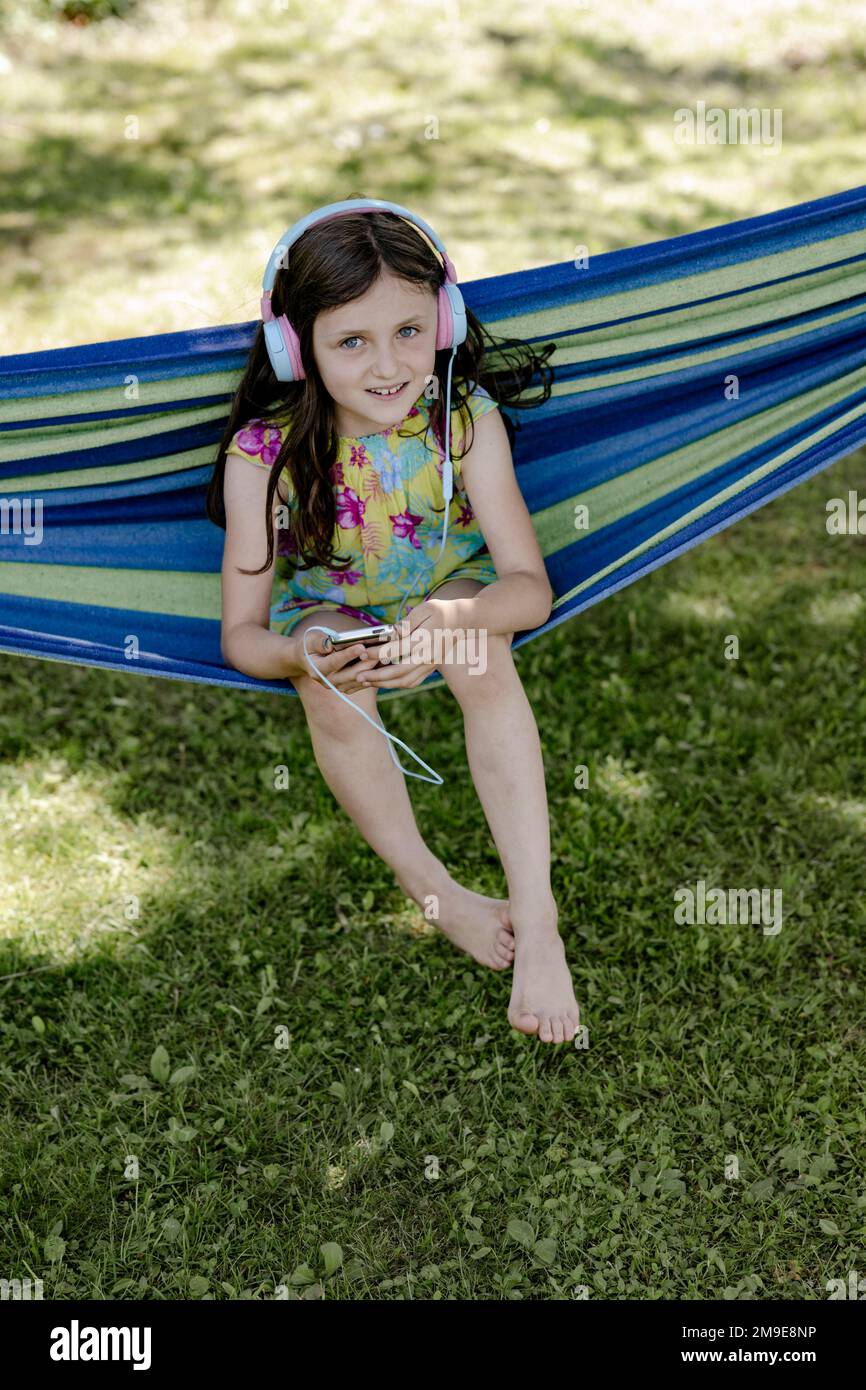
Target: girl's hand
401,664
342,668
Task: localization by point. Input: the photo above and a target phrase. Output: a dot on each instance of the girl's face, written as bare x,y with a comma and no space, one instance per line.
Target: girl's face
386,338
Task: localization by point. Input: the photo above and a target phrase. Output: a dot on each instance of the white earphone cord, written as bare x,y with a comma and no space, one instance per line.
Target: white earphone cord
447,492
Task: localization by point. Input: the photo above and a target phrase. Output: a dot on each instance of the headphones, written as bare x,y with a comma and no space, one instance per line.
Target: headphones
284,351
281,340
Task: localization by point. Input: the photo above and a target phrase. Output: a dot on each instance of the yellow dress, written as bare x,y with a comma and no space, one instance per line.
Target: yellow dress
386,488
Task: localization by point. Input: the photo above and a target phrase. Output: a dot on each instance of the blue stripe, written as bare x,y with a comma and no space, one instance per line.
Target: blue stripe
193,545
849,439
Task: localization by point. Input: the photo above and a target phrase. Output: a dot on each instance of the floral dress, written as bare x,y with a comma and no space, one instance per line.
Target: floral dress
386,489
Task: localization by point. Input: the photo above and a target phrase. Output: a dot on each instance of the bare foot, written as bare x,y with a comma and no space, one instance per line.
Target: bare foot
542,996
479,925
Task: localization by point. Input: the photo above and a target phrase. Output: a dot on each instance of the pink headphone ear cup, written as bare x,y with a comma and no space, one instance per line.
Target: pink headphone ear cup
444,321
293,348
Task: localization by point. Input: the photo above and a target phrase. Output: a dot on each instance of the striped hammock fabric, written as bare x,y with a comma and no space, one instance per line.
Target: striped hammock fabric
695,379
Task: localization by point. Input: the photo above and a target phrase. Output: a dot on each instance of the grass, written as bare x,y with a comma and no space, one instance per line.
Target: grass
235,1062
361,1122
152,164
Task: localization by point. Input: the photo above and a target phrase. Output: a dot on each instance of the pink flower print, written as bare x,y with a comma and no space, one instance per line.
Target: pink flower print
336,474
466,515
258,437
358,456
403,524
350,509
345,576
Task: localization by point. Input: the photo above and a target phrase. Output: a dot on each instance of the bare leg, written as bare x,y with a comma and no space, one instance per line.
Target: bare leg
354,761
504,753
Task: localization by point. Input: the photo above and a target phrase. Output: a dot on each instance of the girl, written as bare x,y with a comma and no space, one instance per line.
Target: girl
343,453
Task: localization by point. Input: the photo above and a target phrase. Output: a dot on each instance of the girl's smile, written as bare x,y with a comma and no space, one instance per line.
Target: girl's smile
387,393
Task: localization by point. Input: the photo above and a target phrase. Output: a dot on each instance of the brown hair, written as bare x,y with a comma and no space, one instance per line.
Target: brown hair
333,263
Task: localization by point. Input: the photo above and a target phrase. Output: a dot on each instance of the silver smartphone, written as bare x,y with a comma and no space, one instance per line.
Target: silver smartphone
366,636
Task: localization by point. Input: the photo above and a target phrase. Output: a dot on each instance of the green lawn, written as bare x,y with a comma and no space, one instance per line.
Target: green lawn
263,910
147,179
234,1059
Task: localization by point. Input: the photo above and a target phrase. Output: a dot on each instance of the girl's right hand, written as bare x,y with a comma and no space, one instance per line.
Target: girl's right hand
342,668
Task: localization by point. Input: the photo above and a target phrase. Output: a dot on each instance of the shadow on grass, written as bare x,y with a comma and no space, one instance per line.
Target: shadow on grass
62,179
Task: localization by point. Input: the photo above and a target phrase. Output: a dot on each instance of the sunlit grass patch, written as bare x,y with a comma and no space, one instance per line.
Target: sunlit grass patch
74,873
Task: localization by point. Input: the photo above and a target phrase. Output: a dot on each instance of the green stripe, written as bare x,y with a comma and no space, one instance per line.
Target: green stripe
38,483
184,594
614,500
634,489
827,431
684,326
98,434
106,398
663,367
668,294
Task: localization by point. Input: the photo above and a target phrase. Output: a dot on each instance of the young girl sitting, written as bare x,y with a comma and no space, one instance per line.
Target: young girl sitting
340,447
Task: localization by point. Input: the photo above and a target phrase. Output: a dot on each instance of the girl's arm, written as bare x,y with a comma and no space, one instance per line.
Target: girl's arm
246,640
520,597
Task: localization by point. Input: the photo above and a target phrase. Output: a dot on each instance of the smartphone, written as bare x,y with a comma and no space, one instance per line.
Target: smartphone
366,636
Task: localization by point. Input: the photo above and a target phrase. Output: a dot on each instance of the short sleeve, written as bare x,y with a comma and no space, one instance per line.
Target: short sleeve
260,442
479,403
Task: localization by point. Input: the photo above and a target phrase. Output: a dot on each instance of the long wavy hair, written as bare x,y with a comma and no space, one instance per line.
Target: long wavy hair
333,263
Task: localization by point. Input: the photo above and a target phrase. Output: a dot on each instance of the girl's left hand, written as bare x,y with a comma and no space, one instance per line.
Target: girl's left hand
403,668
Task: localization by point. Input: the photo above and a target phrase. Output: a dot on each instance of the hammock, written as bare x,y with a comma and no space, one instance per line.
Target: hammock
639,430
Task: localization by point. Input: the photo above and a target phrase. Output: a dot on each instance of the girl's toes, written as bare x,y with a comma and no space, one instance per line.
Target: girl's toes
545,1031
525,1023
558,1030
